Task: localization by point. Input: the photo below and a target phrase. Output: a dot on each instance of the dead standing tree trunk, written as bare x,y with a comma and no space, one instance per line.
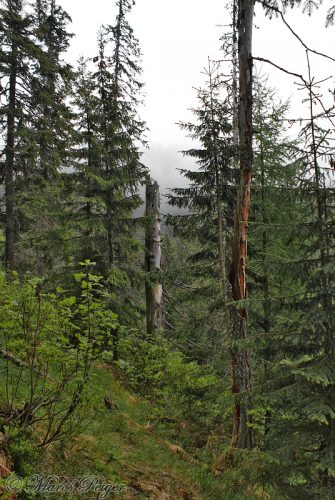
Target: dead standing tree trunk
153,286
241,369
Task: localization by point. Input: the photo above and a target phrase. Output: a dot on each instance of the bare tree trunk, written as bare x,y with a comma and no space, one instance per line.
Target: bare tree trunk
222,250
235,75
265,283
314,149
9,164
219,202
241,369
153,287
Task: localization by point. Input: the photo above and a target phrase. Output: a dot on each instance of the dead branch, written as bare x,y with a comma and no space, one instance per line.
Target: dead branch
278,11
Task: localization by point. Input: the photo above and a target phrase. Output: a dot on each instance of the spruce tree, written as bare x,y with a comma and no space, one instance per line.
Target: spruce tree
17,49
42,216
89,207
37,125
108,168
298,377
274,207
121,129
207,206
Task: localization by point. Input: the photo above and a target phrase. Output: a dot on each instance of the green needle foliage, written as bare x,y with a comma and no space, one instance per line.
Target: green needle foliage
292,283
71,175
206,216
37,128
108,171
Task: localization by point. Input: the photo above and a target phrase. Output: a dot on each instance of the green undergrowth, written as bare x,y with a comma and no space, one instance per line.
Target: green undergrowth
125,446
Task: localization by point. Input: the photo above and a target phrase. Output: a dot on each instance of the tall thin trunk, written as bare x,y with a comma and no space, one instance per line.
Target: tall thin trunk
88,207
153,287
222,246
265,279
9,163
321,206
242,435
108,141
110,108
109,191
118,47
319,200
219,204
235,75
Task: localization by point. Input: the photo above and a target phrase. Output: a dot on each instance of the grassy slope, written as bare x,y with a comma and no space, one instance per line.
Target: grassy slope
120,447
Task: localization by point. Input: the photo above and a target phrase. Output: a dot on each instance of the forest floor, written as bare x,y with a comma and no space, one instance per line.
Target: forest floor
123,447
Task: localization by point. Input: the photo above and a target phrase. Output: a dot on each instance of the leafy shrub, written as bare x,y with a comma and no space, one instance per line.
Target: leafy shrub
49,342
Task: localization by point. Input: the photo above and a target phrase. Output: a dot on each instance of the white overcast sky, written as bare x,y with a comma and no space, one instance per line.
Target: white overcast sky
176,37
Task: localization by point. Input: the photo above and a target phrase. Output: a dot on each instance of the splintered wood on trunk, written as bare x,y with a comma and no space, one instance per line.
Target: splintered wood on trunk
153,286
241,369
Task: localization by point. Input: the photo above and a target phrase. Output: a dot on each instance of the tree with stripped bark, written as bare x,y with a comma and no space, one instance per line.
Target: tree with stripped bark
241,364
152,262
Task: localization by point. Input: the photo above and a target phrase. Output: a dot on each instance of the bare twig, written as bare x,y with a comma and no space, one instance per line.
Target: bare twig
280,68
278,11
305,82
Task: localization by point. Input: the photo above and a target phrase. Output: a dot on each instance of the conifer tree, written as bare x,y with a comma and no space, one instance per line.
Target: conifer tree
241,365
89,207
208,204
42,216
274,206
17,47
51,87
121,130
37,125
108,166
295,323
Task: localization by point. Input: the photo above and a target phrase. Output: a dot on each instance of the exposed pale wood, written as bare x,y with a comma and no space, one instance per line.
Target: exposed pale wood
241,369
153,288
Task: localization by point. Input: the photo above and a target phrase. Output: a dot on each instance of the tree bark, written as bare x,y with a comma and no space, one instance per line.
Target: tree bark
265,278
5,462
321,204
153,287
9,163
219,203
235,77
241,369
